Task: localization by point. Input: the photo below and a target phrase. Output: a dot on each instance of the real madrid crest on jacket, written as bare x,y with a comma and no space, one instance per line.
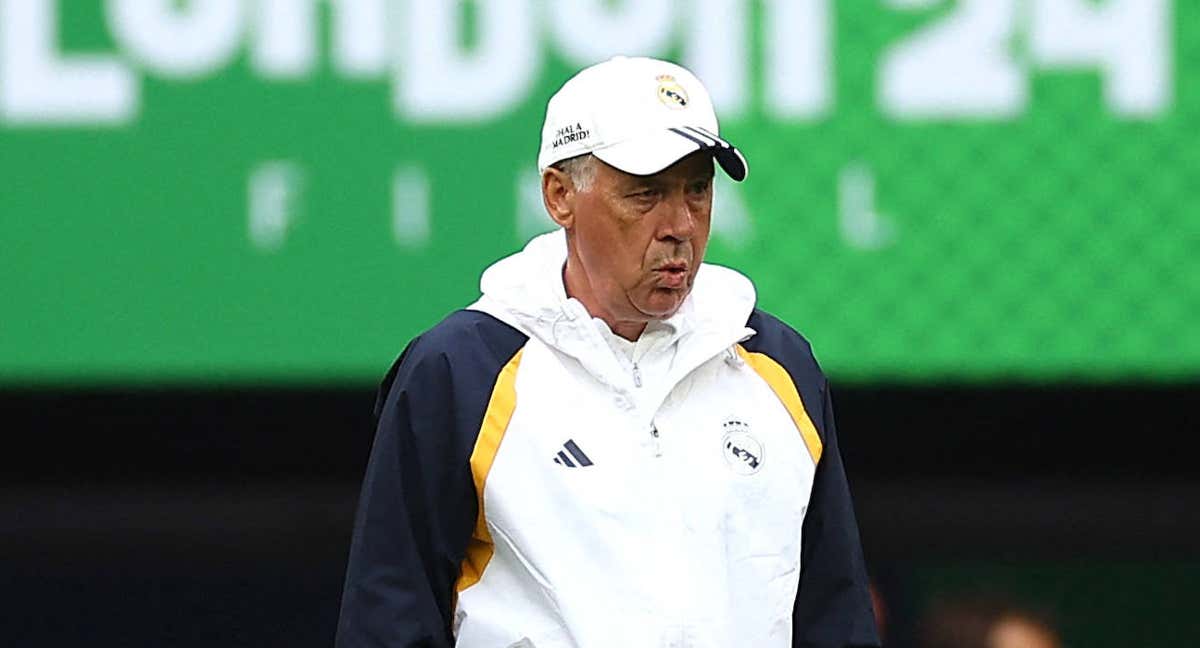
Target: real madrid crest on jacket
529,486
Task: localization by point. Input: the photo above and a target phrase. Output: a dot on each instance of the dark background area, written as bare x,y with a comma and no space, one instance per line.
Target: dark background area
221,517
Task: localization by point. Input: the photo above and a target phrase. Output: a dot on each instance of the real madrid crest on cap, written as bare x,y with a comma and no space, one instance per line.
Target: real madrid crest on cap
670,92
743,452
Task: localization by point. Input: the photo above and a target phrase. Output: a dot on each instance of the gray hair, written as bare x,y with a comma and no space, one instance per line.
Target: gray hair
581,169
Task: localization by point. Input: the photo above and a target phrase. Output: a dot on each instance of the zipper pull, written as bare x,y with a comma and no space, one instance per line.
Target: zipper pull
637,376
656,440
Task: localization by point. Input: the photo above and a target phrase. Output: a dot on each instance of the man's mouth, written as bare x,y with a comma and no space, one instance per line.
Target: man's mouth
672,275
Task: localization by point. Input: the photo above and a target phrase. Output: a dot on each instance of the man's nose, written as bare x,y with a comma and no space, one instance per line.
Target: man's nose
679,221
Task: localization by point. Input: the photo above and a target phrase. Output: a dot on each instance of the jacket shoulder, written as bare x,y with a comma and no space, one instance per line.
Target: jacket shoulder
465,347
777,340
470,332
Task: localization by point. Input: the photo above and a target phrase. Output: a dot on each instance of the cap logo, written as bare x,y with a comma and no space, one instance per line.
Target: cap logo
568,134
670,93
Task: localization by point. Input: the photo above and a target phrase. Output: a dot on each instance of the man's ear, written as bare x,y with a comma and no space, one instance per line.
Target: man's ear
558,194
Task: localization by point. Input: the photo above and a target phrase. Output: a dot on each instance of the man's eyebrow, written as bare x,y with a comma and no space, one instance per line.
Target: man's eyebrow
639,182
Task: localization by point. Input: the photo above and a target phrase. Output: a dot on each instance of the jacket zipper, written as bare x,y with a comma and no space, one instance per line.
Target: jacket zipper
656,440
637,376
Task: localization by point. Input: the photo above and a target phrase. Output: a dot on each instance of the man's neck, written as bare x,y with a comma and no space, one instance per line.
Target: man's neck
629,330
577,287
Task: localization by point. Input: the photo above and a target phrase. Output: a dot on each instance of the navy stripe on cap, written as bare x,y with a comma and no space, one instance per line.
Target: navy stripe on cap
699,142
727,155
702,131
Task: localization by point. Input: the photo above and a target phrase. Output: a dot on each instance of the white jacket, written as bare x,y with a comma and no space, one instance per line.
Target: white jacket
535,483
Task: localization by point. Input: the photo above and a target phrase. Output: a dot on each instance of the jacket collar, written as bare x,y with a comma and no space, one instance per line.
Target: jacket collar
525,290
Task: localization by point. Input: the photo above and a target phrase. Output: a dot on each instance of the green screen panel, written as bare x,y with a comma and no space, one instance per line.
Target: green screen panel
222,191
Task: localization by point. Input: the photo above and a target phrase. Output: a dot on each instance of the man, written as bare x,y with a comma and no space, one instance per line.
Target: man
612,447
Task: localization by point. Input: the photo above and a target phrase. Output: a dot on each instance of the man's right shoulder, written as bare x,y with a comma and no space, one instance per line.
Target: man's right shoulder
467,345
469,332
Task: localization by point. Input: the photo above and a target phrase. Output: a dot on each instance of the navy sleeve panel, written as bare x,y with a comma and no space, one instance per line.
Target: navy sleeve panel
787,347
833,605
417,507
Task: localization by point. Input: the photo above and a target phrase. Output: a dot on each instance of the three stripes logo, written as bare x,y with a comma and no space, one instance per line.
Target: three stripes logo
701,137
572,456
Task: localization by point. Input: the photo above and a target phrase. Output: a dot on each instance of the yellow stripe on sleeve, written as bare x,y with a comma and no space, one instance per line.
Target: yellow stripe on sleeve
491,432
781,383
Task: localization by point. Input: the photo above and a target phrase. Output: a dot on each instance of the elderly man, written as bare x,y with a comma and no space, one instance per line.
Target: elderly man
612,447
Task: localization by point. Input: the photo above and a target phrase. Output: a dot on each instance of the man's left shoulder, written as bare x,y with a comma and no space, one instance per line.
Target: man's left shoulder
789,349
777,339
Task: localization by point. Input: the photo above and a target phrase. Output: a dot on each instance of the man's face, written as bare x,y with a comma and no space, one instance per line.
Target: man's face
640,239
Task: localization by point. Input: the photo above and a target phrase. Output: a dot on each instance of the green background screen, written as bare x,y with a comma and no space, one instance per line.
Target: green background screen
225,191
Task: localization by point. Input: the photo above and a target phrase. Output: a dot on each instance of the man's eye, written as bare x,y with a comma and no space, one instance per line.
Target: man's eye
700,187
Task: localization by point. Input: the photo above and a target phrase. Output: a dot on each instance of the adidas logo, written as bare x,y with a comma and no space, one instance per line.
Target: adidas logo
572,456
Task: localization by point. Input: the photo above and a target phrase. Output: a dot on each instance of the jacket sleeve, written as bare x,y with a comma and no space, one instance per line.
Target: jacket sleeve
418,508
415,513
833,606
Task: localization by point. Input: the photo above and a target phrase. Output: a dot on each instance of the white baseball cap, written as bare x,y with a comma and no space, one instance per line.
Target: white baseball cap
640,115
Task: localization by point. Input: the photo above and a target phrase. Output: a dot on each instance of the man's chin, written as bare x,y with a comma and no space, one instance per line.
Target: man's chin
662,303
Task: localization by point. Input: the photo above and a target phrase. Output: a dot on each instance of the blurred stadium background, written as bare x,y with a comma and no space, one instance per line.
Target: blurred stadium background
220,221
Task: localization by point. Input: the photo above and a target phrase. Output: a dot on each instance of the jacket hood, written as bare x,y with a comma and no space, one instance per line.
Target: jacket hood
525,290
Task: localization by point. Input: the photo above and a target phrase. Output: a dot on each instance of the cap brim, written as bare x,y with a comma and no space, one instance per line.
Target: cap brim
656,151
